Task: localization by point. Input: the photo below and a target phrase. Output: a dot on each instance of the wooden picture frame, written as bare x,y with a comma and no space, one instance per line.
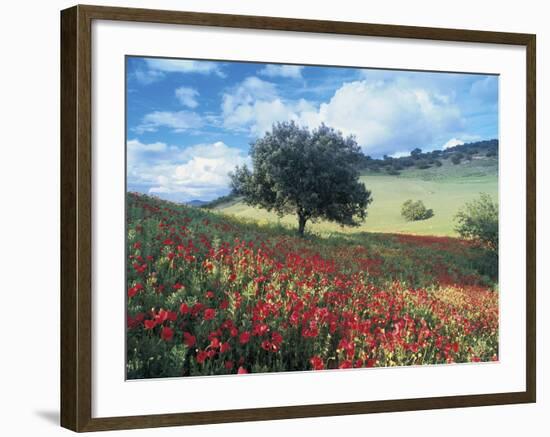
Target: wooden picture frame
76,217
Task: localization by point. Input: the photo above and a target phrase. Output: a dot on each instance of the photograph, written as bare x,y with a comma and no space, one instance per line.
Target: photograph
306,217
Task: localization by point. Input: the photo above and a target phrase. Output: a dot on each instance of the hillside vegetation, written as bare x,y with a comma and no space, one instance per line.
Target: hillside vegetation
210,294
444,188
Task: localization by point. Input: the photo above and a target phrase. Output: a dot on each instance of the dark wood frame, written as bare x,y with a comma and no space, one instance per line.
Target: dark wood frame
76,218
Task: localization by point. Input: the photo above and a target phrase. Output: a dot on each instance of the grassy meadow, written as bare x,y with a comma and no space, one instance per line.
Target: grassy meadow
444,189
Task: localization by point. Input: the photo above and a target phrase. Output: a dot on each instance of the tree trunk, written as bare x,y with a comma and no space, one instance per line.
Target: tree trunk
301,224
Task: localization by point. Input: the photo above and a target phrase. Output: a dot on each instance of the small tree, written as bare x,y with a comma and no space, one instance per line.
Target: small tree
414,211
311,174
416,153
456,158
478,220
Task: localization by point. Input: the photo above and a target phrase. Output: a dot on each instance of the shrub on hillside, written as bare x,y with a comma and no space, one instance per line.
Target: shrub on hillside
455,159
414,211
478,220
422,164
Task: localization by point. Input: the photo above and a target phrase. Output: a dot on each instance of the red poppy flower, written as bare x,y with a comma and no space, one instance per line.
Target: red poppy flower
244,337
167,333
201,356
225,347
277,338
347,364
317,363
229,364
209,314
188,339
242,370
149,324
184,308
178,286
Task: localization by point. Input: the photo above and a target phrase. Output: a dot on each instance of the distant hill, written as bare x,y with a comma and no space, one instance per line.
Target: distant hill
196,203
480,154
477,159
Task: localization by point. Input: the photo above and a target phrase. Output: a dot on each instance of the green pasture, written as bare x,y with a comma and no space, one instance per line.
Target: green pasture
445,191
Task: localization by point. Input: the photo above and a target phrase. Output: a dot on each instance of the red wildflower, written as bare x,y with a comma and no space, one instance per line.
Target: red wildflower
347,364
201,356
149,324
167,333
242,370
317,363
189,340
244,337
209,314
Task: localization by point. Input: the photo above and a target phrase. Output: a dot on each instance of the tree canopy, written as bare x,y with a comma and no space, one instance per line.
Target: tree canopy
478,220
313,174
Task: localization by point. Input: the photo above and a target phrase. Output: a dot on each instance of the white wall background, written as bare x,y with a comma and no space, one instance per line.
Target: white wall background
29,218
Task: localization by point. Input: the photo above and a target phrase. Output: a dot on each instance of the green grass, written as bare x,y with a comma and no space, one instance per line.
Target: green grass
445,189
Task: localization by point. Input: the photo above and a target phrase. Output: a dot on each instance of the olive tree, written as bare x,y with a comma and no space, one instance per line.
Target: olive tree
312,174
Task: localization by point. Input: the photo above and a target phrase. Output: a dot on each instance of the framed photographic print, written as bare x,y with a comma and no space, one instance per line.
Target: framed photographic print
337,216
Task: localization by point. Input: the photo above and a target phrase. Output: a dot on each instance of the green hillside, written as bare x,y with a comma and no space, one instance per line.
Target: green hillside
444,189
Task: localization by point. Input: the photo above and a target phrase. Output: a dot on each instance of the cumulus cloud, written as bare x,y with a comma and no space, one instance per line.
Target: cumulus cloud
187,96
288,71
184,66
177,121
254,105
138,146
452,142
382,115
157,69
195,172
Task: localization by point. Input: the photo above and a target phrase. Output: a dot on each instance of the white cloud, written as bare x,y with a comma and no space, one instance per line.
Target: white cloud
147,77
187,96
288,71
383,115
254,105
452,142
178,121
195,172
400,154
137,146
184,66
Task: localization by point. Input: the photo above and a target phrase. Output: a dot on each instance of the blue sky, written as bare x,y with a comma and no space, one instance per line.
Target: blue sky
189,122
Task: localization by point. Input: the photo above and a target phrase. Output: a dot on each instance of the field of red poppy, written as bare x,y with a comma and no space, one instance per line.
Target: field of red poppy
209,294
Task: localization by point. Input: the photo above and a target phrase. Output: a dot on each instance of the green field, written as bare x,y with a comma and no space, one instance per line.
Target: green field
445,190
